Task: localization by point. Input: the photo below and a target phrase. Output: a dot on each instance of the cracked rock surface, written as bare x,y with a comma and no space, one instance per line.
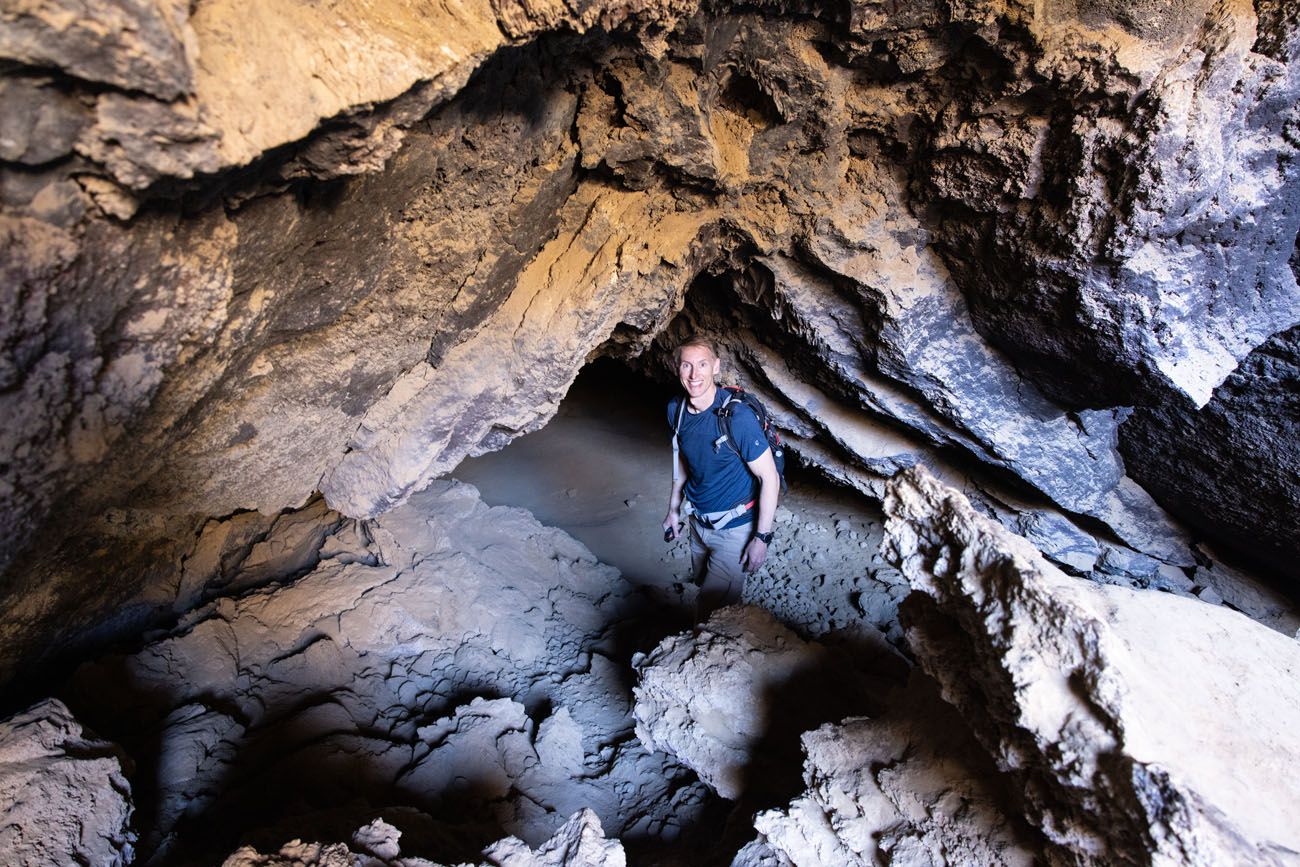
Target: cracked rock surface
910,787
1144,728
447,656
249,256
64,798
729,699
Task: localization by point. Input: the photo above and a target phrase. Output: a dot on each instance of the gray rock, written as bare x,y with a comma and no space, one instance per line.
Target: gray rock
911,787
1117,711
64,798
142,45
141,141
729,699
374,676
579,842
41,122
1194,460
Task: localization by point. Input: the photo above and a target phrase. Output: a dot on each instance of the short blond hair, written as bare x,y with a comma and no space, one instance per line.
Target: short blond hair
694,340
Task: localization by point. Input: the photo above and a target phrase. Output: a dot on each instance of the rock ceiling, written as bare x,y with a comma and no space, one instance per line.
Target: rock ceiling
252,252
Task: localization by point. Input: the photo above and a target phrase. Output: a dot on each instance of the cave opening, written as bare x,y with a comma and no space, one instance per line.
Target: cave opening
988,267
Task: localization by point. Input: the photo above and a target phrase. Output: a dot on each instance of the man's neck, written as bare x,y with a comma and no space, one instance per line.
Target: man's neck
705,400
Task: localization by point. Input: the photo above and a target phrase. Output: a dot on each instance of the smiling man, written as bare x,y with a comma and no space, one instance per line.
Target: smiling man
726,487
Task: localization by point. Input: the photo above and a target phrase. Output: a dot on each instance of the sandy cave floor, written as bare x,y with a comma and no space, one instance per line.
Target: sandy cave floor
601,471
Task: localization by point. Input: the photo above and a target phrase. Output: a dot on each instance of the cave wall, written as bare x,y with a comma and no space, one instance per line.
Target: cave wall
247,260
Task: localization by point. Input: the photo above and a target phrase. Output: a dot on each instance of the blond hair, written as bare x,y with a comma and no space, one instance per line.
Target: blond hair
694,340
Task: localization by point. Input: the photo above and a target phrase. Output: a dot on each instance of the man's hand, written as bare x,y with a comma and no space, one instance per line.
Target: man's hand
671,522
753,555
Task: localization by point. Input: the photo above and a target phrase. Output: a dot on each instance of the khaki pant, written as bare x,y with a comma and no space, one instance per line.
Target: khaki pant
715,566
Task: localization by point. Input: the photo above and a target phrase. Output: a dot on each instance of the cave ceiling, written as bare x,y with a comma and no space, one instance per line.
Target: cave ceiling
252,252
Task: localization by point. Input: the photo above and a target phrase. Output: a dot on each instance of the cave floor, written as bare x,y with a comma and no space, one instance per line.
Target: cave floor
600,471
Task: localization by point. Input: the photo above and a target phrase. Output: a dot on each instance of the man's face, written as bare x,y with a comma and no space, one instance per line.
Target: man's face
696,370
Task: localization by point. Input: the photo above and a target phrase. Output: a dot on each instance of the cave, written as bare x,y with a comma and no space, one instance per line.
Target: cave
336,343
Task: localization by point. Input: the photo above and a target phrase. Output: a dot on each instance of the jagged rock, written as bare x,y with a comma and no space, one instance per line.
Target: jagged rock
1143,727
580,842
374,677
1251,428
729,700
911,787
954,225
63,796
141,141
41,121
1165,275
144,45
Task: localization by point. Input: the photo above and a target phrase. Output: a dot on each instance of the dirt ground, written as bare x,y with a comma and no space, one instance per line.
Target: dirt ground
601,471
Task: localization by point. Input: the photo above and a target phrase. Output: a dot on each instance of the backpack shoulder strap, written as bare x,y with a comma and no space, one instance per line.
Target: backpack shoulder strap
677,447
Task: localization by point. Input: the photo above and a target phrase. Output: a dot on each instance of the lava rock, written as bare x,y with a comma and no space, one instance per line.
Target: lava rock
377,676
580,842
911,787
64,798
1143,727
1190,459
730,699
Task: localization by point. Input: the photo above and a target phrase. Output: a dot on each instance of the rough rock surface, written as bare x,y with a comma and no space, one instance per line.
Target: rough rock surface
911,787
448,656
63,796
728,699
970,234
1144,728
1191,458
580,842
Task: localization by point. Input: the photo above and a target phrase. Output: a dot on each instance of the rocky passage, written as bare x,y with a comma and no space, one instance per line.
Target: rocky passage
971,235
1121,734
449,658
269,274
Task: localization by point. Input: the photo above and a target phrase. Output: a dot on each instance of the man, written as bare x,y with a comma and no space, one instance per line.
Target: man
729,498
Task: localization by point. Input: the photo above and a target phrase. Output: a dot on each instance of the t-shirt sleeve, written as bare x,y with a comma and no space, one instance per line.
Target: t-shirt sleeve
672,414
749,437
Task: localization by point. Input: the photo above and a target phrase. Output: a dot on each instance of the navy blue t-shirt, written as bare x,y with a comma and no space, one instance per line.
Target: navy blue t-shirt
718,480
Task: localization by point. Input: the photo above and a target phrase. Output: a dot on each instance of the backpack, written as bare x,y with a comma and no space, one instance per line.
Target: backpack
735,398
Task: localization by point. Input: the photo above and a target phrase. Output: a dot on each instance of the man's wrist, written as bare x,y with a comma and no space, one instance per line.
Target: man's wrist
765,538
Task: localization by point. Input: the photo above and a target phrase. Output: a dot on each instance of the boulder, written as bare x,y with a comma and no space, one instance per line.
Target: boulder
579,842
1142,727
910,788
64,797
730,699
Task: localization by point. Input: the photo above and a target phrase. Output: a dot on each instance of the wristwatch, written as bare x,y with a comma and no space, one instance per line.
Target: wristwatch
765,538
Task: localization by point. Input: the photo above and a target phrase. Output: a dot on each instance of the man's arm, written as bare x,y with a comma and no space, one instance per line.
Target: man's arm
674,517
764,468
